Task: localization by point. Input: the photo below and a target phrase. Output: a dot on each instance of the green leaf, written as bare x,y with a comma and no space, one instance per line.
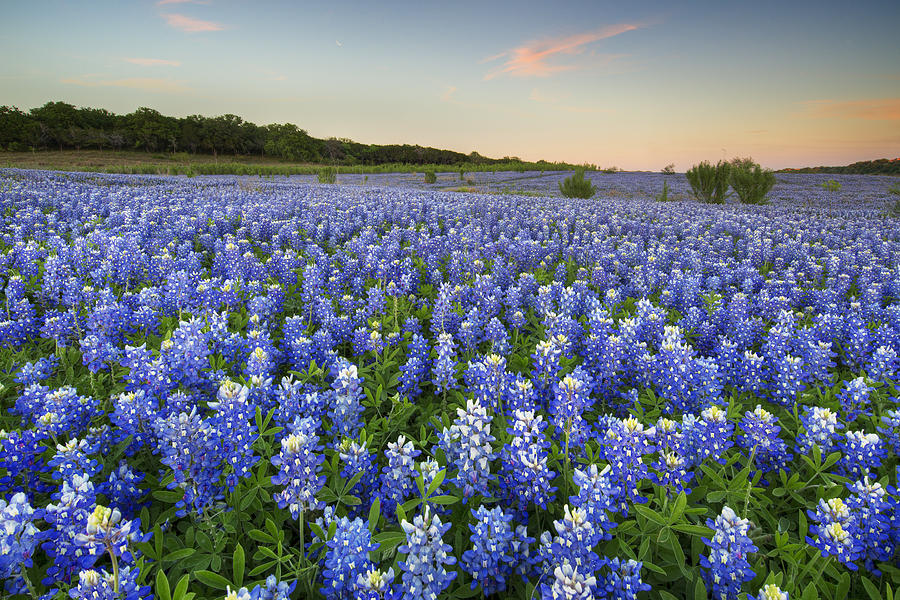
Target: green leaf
213,580
401,514
177,555
260,536
374,515
181,587
650,514
443,500
237,565
700,589
437,481
162,586
810,592
871,589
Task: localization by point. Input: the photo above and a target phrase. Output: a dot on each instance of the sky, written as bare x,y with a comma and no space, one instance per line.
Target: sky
637,85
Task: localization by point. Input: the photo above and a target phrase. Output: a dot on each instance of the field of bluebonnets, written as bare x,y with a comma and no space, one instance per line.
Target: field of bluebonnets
266,389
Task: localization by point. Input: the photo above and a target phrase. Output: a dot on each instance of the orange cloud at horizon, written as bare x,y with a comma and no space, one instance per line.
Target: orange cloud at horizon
530,60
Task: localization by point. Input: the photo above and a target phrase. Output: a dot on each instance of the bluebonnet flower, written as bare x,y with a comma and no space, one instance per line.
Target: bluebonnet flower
891,433
524,474
623,581
18,540
770,591
727,568
101,585
397,476
670,469
624,445
490,561
861,452
299,464
570,400
357,459
72,458
375,584
20,456
599,496
427,556
37,371
835,531
854,398
123,489
761,442
874,510
573,543
819,429
68,518
346,407
520,395
106,531
347,558
414,371
444,370
134,414
883,364
275,590
487,380
568,583
467,445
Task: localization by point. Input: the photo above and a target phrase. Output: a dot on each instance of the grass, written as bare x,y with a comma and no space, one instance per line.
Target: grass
182,163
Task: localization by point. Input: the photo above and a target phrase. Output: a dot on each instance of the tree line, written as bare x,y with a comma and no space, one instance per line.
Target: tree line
62,126
881,166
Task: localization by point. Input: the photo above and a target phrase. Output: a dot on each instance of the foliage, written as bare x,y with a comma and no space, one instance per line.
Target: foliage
881,166
751,182
576,186
669,169
60,125
430,177
327,175
709,183
663,196
831,185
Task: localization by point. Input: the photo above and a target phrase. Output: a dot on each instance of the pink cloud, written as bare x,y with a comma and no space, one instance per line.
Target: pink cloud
153,62
531,60
870,109
190,25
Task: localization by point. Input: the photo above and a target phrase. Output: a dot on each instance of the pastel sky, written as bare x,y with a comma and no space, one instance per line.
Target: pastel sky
632,84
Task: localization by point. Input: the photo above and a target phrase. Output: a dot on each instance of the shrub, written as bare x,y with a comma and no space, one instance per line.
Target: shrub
751,183
462,174
577,186
430,177
327,175
664,195
831,185
709,183
669,169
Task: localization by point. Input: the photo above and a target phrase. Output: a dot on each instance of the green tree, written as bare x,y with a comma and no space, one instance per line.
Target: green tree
709,183
576,186
751,182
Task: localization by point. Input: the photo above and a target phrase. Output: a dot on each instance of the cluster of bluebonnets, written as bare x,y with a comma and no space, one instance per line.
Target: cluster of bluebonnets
266,390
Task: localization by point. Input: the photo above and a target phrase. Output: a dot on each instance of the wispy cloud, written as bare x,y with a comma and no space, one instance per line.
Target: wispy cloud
153,62
532,59
870,109
190,24
148,84
338,42
448,94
